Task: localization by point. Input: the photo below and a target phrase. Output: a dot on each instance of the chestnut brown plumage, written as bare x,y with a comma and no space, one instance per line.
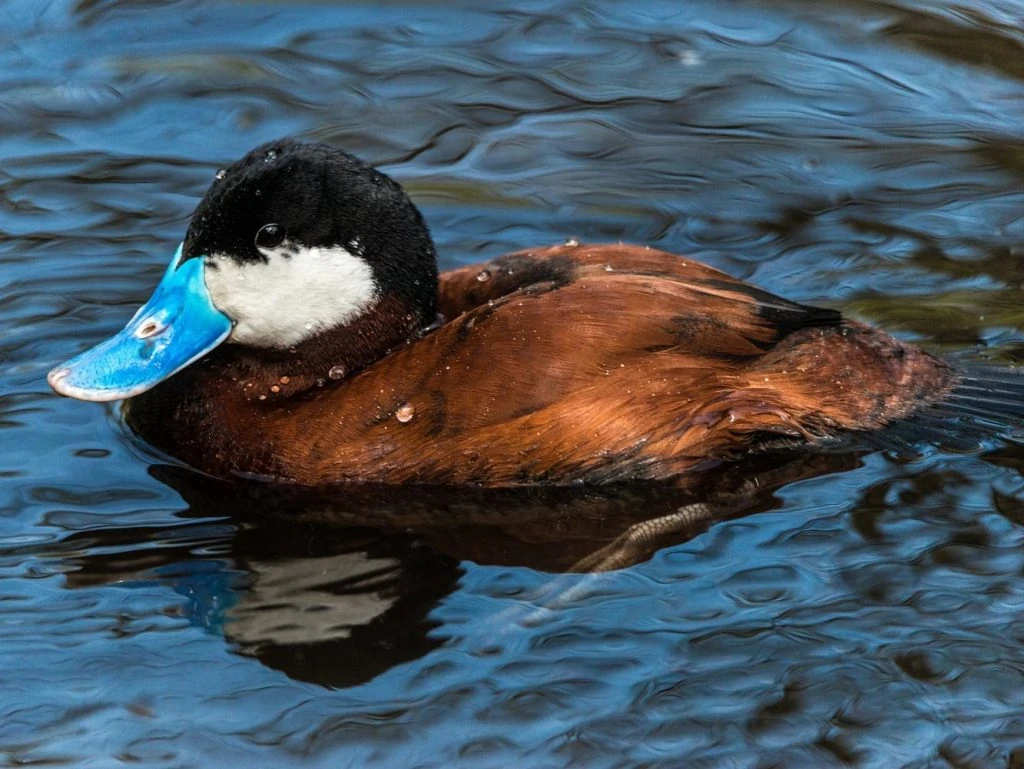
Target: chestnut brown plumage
576,363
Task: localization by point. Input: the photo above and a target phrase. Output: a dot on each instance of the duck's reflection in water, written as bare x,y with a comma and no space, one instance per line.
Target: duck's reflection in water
336,586
337,610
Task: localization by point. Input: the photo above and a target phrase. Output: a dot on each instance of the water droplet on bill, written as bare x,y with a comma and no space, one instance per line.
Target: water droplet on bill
405,412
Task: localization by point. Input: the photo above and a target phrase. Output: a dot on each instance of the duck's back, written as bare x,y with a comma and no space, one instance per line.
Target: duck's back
577,364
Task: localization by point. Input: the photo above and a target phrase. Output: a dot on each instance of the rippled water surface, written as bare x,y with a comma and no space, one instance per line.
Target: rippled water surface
863,155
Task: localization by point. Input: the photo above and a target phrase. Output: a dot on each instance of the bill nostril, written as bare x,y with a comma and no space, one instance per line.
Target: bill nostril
148,329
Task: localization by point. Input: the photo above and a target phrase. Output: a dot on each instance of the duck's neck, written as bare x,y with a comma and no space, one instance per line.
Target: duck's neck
269,375
199,413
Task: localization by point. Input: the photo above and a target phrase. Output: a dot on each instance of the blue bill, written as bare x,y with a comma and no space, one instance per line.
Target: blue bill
177,326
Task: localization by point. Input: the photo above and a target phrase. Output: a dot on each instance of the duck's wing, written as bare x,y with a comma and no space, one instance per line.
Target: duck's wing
602,364
467,288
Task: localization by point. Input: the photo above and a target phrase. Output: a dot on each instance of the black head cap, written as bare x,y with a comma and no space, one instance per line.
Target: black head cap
318,196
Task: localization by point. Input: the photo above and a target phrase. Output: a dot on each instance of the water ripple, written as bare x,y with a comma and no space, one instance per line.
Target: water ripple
865,155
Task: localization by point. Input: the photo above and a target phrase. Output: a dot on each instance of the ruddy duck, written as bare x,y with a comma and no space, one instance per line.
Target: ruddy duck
302,332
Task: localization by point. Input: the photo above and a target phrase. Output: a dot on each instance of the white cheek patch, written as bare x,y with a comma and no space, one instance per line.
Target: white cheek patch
296,293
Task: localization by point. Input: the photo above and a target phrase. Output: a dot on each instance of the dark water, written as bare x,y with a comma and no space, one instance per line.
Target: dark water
864,155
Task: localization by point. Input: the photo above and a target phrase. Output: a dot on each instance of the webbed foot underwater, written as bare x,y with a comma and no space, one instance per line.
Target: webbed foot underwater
293,336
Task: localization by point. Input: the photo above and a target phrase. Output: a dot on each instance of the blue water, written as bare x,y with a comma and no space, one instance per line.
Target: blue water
861,155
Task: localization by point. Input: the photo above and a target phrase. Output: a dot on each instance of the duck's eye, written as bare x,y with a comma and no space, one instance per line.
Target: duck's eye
270,236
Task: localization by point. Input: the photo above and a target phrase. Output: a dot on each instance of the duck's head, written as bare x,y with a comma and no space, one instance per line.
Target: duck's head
291,243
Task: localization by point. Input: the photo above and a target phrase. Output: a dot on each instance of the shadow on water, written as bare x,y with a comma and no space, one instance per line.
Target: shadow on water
336,586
